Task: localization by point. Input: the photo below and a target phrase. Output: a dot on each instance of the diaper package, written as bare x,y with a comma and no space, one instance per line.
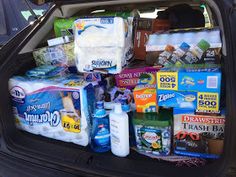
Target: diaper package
100,44
189,88
58,108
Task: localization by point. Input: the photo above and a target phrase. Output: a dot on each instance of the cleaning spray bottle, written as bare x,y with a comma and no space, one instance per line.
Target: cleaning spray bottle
100,137
119,127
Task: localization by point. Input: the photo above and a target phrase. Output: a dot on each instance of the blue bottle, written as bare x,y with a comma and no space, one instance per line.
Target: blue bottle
127,108
100,137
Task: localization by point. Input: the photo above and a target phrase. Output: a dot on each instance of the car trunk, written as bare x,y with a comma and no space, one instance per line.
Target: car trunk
81,160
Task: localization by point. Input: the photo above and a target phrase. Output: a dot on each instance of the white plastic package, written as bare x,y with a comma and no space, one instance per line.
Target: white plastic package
102,44
58,108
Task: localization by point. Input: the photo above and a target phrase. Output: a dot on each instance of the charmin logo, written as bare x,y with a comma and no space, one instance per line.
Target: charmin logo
100,63
17,92
53,118
151,137
164,97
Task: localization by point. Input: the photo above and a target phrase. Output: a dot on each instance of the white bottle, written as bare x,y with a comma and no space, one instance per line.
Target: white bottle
119,129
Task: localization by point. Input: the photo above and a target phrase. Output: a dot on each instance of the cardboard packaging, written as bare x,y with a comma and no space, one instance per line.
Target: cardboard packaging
188,88
198,135
145,27
129,77
145,95
204,46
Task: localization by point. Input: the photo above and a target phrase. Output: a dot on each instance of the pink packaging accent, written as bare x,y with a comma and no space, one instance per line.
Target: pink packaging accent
128,78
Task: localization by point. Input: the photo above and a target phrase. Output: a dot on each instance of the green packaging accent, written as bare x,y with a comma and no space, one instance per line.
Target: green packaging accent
64,26
204,45
124,15
161,119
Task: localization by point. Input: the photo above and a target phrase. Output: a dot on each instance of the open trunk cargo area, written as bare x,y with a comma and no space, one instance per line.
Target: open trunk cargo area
80,160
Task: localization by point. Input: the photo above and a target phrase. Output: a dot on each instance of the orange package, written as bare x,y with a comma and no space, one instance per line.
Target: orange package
145,94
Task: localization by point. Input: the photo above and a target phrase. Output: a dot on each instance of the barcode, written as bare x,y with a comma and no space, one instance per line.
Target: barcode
212,82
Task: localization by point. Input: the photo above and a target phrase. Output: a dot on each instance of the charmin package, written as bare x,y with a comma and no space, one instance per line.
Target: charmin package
100,44
191,47
58,108
129,77
189,88
153,132
60,55
198,135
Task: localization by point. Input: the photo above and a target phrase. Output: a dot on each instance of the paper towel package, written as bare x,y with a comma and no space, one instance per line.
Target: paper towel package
58,108
100,44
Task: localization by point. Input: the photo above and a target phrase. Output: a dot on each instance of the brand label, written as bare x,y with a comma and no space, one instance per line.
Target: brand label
164,97
167,80
53,118
100,63
18,94
208,101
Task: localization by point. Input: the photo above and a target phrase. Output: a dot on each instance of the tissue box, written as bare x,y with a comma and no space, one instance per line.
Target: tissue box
145,95
58,108
100,44
129,77
198,135
189,88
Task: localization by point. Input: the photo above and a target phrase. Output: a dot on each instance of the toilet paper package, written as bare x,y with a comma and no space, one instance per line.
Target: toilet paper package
100,44
58,108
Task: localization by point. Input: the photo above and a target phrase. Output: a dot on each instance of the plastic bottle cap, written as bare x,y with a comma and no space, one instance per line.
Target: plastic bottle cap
169,48
100,105
204,45
184,46
117,108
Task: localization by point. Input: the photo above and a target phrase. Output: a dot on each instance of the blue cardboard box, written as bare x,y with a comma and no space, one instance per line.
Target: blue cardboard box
189,88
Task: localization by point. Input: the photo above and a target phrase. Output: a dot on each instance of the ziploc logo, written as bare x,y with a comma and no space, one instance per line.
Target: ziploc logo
165,97
167,80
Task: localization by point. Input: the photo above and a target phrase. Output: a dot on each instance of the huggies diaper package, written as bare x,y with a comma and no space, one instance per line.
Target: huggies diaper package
58,108
100,44
189,88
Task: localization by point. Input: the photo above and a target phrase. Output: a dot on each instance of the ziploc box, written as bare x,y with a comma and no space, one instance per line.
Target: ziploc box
100,44
198,134
145,95
189,88
129,77
58,108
